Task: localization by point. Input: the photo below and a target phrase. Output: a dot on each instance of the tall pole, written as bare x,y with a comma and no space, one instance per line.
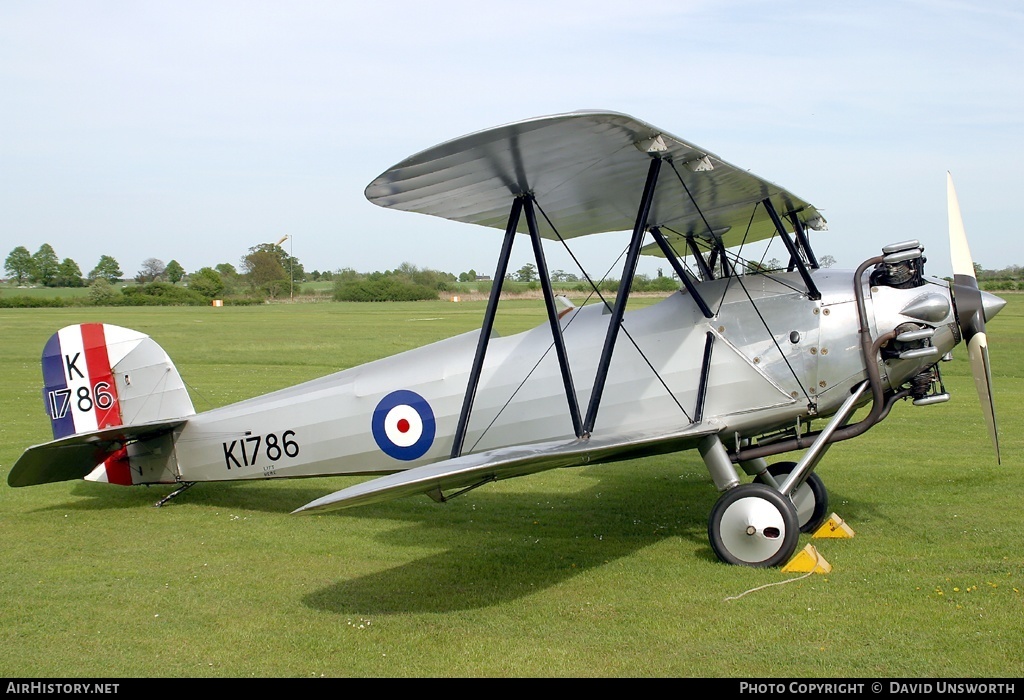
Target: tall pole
291,264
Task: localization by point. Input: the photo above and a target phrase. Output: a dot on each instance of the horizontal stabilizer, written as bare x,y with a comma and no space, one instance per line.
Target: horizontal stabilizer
508,462
75,456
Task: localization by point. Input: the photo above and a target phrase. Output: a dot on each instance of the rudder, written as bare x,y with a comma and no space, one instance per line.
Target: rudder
98,376
106,390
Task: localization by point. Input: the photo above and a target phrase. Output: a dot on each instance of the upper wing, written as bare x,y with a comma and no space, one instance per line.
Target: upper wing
586,170
508,462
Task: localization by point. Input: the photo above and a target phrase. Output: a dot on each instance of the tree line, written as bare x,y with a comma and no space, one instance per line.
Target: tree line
267,271
1007,278
45,268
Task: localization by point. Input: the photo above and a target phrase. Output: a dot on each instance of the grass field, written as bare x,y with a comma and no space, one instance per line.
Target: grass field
10,290
601,571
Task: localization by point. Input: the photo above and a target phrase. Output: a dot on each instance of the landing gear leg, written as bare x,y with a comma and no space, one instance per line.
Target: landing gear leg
797,480
810,498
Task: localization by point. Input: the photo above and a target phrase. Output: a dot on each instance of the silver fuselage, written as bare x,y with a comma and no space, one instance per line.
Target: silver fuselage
778,358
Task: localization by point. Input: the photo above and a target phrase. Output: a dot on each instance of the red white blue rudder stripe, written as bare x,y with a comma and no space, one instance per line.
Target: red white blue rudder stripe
105,389
78,384
98,376
403,425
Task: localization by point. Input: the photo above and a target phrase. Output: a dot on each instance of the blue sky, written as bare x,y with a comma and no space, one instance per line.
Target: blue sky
195,130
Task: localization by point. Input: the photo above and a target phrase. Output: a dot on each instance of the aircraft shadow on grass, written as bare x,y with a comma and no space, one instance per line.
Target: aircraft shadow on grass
494,545
523,543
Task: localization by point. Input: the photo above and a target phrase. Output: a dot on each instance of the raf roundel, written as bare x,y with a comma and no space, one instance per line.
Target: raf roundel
403,425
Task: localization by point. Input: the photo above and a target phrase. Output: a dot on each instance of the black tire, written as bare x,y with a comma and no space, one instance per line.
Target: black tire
811,499
754,525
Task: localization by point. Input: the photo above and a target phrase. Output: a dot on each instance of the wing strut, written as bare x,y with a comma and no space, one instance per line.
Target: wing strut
794,254
487,327
556,329
628,272
802,240
719,250
702,263
519,203
705,371
674,261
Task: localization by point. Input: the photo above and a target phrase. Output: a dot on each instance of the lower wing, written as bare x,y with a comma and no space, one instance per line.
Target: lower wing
507,462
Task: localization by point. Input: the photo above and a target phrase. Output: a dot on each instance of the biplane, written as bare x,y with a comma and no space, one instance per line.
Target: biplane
742,363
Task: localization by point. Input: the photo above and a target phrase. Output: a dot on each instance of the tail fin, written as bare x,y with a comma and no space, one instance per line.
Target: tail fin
103,387
99,376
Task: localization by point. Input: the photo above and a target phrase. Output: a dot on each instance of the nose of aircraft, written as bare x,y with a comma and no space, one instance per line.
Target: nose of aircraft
991,304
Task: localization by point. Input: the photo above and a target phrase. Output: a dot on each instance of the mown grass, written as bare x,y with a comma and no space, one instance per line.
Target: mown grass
603,571
33,292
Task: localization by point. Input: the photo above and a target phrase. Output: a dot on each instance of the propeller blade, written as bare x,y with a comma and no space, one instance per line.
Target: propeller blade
977,352
959,251
970,303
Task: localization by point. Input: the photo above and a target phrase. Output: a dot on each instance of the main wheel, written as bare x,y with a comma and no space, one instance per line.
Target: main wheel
754,525
811,499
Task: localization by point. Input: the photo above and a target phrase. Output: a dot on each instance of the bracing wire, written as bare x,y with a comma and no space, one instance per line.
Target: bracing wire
740,281
621,325
595,289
